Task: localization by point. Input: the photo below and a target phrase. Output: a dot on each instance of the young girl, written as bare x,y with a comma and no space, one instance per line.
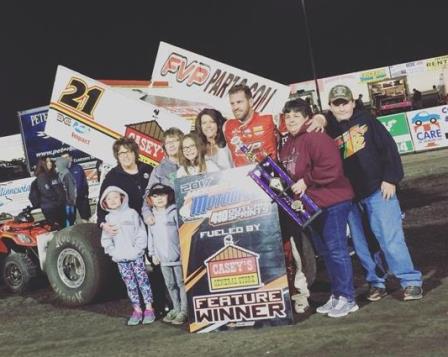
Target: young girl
163,247
126,248
192,157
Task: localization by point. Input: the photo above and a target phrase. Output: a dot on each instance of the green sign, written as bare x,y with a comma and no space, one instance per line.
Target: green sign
397,126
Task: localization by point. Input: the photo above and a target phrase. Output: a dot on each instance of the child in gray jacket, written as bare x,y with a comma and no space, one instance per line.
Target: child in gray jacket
127,248
164,248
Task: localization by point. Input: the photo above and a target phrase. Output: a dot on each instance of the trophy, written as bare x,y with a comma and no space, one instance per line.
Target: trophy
277,184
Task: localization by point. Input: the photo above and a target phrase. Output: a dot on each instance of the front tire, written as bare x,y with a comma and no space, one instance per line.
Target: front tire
76,266
18,272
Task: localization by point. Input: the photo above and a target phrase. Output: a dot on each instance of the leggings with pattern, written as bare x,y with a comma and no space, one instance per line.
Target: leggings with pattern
135,277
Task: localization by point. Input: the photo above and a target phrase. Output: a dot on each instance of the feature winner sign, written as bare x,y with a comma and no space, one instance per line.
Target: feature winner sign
90,116
231,252
209,81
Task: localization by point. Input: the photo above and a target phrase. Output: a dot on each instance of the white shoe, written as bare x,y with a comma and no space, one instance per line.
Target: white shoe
300,303
328,306
343,308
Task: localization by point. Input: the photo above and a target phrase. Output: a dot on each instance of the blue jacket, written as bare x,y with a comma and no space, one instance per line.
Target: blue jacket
82,187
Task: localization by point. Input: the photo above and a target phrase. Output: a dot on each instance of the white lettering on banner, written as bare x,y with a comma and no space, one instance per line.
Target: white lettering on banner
38,118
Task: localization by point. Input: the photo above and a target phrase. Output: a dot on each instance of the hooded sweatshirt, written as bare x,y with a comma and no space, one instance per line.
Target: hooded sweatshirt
131,240
67,180
315,158
163,237
369,152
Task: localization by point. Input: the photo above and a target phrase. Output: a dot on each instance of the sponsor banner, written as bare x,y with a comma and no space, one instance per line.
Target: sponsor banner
231,252
397,126
14,195
90,116
209,81
38,143
437,63
429,127
407,68
374,75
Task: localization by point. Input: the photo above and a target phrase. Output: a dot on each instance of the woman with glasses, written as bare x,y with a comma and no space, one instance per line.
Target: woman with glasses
129,175
192,157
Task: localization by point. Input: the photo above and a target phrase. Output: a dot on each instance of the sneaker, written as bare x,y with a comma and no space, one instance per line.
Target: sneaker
412,293
300,304
343,307
328,306
170,316
376,293
181,317
148,316
135,318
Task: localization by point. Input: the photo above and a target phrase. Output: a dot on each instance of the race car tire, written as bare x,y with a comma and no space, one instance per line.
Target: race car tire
76,266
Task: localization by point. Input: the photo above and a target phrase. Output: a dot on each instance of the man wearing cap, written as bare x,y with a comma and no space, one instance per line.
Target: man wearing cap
373,165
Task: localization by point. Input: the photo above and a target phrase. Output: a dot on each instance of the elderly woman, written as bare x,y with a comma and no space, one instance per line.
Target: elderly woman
208,126
313,162
129,175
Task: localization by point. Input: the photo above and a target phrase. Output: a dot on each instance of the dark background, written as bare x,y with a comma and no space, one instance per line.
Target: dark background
119,40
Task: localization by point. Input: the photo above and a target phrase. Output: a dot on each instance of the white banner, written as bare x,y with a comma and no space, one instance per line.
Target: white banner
208,81
14,195
429,127
90,116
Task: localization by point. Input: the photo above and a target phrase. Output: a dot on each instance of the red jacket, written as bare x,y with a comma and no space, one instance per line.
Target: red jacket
315,158
259,133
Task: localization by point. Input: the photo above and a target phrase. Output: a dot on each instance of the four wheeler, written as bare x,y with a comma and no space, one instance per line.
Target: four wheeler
18,249
72,258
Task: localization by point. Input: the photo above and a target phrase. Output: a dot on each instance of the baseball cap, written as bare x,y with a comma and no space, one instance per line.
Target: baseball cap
158,189
340,92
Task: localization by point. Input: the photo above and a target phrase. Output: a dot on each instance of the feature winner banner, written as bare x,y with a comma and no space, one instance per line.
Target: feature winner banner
429,127
208,81
397,126
231,252
90,116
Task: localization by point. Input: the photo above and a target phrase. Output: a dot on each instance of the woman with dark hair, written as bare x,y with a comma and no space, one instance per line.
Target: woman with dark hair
129,175
51,193
208,125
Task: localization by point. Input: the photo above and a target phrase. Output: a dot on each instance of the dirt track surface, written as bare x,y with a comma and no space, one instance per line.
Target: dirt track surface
35,324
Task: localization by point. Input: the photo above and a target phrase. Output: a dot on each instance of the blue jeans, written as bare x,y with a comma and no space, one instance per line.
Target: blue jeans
384,217
331,225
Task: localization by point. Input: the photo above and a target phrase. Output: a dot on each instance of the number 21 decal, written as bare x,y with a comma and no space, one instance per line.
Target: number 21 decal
80,97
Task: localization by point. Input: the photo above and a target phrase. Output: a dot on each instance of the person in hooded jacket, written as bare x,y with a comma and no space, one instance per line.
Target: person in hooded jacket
164,248
69,183
313,162
127,249
132,177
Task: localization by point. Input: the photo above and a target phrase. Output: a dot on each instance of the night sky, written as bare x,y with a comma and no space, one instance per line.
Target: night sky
265,37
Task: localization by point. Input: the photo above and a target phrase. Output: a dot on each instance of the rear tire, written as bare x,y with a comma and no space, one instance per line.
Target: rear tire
18,272
76,266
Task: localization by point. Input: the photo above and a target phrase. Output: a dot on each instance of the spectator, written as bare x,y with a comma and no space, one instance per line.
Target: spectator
82,187
52,195
69,183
